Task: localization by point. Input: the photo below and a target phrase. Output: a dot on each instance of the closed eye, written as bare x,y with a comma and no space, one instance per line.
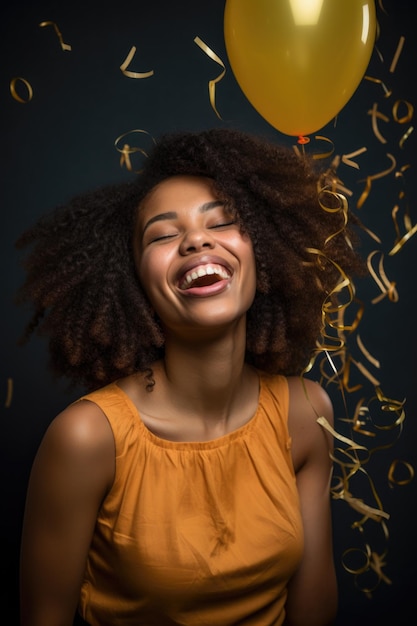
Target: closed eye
224,224
162,237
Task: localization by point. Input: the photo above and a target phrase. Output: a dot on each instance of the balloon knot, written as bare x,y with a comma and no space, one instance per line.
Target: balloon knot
303,140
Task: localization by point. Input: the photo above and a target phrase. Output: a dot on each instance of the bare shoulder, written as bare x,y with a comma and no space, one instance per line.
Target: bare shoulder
79,437
82,424
308,401
308,398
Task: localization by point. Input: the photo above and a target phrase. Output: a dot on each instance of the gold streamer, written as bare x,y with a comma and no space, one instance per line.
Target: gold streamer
324,155
372,561
369,180
405,118
377,115
358,421
364,351
14,93
126,64
127,150
395,481
9,394
325,424
362,568
403,240
212,83
64,46
387,288
406,136
397,54
346,158
381,6
378,81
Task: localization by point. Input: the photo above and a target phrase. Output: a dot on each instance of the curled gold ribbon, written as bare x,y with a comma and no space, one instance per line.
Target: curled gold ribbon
404,481
387,92
14,93
406,136
324,155
387,288
377,115
64,46
372,177
409,114
213,82
126,150
397,54
346,158
412,231
9,394
126,64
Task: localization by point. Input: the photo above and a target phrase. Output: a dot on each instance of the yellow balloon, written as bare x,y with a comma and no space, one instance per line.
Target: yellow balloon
298,62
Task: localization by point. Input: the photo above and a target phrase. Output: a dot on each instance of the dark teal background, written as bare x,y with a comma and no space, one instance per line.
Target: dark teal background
62,143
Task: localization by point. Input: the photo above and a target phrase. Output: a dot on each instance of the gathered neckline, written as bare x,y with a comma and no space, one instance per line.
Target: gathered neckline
217,442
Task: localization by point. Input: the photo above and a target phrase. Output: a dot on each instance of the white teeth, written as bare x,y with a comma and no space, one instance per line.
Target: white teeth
204,271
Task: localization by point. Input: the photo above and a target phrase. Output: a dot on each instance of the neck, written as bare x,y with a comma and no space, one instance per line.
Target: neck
205,375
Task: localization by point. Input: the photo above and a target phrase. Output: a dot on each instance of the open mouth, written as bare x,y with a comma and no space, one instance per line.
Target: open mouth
204,275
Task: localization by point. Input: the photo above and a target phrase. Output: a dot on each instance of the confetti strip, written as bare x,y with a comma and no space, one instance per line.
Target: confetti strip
369,180
126,150
65,47
403,240
346,158
405,118
405,136
126,64
387,91
13,84
387,288
212,83
377,115
397,55
393,467
9,394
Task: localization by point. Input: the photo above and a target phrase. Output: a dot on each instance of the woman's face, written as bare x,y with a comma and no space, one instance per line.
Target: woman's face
195,264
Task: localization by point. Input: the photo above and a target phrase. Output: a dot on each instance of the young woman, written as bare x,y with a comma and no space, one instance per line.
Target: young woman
190,485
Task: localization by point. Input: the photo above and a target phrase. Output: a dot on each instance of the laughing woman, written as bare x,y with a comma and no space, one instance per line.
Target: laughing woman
190,485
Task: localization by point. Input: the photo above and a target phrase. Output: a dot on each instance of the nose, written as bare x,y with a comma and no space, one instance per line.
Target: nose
196,240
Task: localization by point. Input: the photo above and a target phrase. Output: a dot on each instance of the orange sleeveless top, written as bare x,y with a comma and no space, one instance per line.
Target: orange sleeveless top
195,533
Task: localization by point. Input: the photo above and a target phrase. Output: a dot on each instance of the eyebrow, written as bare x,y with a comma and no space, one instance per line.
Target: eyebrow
171,215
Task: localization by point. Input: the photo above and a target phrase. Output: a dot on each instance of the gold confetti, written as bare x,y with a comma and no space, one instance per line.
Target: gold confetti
403,240
397,54
405,118
387,288
9,394
405,136
64,46
403,481
369,180
377,115
126,150
364,351
13,84
346,158
378,81
212,83
126,64
324,155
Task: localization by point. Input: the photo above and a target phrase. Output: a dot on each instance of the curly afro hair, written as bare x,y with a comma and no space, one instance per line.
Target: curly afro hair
85,293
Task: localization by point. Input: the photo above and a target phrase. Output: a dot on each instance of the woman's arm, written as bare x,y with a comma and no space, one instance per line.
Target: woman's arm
71,473
312,593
